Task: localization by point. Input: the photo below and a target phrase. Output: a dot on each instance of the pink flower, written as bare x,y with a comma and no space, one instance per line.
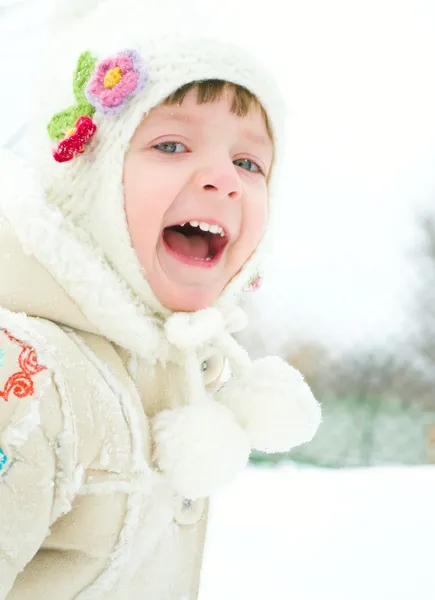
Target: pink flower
254,283
114,80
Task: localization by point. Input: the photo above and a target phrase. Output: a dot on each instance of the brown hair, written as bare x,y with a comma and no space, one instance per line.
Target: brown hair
211,90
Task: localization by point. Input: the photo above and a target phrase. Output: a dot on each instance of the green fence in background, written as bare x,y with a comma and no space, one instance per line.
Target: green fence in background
357,433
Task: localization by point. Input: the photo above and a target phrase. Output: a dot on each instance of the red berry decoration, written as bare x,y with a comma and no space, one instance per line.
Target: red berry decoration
75,141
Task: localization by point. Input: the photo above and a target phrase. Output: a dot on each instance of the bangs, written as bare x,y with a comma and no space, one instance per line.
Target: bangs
211,90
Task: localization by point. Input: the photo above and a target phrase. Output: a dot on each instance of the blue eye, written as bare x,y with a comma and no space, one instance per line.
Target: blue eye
246,161
169,147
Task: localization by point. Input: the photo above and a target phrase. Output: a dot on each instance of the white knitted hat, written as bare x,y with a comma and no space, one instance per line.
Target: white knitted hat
160,48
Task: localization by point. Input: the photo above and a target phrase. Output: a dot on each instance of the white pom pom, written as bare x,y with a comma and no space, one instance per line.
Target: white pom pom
273,404
200,448
189,330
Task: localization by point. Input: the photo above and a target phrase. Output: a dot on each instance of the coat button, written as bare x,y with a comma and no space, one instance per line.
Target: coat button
212,364
188,512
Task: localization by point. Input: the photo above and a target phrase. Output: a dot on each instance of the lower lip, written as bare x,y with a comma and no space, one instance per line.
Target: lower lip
192,262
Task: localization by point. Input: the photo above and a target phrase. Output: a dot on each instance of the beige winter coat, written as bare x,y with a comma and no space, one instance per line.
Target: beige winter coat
82,516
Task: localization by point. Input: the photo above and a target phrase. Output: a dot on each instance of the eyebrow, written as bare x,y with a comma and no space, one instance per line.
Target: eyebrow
260,140
186,118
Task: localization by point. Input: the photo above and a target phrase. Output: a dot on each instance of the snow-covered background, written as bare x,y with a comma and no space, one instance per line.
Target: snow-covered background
295,533
360,82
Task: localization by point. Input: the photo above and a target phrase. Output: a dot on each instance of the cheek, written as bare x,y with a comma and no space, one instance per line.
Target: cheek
146,199
256,216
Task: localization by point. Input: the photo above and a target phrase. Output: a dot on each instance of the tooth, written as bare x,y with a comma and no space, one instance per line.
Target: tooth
194,223
182,224
214,228
222,234
204,226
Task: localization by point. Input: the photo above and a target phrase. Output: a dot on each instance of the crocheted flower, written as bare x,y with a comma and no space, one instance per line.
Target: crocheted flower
75,141
114,80
62,122
254,283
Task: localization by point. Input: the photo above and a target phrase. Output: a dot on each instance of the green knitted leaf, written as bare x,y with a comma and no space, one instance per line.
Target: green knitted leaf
85,67
63,121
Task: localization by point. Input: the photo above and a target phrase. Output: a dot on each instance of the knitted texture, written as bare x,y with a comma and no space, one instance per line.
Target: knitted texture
115,79
254,283
83,72
62,121
75,141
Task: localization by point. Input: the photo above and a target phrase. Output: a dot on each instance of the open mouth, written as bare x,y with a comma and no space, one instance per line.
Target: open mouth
196,241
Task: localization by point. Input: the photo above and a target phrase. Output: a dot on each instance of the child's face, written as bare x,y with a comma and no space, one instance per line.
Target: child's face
197,163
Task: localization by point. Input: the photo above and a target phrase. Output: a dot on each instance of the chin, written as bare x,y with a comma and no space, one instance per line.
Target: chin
191,301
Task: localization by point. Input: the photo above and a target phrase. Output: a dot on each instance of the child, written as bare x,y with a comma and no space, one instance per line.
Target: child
124,253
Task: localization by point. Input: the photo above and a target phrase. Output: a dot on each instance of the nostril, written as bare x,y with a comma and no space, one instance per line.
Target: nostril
234,194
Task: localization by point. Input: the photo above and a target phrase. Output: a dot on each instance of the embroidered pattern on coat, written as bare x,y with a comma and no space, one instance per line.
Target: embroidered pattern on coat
3,460
20,383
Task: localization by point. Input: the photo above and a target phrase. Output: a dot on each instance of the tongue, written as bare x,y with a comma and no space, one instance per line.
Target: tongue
194,246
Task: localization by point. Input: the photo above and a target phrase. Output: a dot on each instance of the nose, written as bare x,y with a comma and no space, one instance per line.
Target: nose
220,181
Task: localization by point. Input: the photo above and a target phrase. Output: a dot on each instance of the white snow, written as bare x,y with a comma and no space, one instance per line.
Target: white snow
300,533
